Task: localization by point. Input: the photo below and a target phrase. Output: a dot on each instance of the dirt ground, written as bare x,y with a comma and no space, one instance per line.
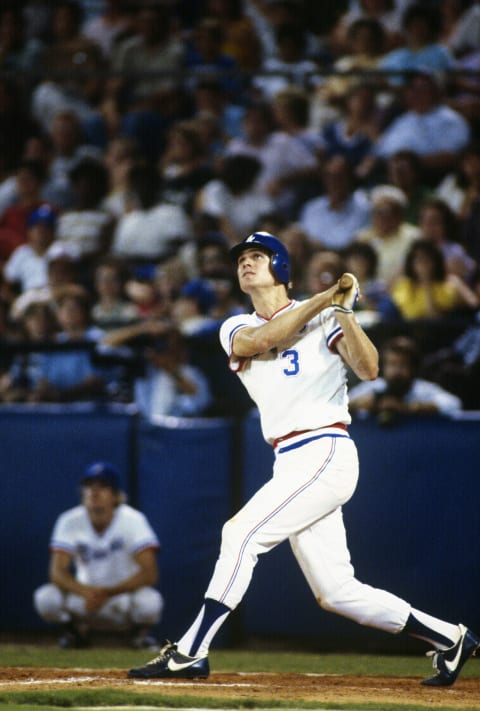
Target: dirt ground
262,687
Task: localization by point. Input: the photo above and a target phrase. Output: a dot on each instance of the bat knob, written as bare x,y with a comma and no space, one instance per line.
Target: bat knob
346,281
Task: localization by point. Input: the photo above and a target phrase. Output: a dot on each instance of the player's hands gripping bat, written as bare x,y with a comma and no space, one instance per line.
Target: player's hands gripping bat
346,294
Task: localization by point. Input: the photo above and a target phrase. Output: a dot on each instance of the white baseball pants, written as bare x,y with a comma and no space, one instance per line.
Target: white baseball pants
302,502
142,607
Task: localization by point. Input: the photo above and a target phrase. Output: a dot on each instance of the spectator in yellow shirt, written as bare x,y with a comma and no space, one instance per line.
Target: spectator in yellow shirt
425,291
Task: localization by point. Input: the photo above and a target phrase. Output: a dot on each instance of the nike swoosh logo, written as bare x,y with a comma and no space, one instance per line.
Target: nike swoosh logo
453,663
175,666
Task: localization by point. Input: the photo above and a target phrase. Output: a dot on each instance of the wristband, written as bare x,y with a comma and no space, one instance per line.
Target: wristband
342,309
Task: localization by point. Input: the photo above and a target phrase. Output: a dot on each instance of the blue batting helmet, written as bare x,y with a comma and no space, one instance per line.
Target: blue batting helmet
101,471
280,259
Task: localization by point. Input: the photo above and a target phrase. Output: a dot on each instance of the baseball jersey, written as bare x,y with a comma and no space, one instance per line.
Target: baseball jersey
307,388
106,558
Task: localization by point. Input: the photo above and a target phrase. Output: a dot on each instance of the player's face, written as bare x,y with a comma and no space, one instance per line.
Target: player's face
100,501
253,270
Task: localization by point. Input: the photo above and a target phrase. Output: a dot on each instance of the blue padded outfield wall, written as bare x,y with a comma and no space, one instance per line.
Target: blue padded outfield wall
412,523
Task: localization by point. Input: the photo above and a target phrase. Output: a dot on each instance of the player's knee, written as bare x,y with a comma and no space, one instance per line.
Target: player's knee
48,601
147,606
335,599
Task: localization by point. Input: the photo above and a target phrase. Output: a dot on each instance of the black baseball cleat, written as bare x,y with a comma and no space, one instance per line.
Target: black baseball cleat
171,663
450,662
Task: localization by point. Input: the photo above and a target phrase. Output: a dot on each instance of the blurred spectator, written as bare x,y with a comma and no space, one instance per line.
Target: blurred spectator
460,25
422,49
149,60
149,230
240,41
461,187
322,270
143,293
212,256
216,112
389,234
18,53
300,248
68,375
108,27
38,327
169,385
268,15
103,566
30,176
405,171
428,126
184,168
193,307
384,12
353,134
364,48
281,156
375,304
71,80
112,308
37,17
233,197
204,56
399,392
62,269
120,156
291,110
272,222
65,149
290,66
229,300
439,224
425,290
170,276
457,367
86,225
26,267
333,219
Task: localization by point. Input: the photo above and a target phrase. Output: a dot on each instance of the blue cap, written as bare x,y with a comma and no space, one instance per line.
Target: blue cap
44,214
101,471
202,292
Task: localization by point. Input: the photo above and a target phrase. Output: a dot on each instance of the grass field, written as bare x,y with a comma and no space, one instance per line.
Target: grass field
48,678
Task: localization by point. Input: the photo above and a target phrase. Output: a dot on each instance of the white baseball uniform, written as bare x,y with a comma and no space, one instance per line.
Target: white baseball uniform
104,559
300,389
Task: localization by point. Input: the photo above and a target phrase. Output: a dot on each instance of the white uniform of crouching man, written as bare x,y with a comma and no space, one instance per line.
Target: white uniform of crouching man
103,566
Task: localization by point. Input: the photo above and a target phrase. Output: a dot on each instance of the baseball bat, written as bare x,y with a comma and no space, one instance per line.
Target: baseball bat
345,282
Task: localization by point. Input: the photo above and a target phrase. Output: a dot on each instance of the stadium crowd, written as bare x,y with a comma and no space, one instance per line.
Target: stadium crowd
140,140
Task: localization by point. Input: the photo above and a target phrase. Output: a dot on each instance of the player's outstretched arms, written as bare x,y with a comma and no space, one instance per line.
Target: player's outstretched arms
251,341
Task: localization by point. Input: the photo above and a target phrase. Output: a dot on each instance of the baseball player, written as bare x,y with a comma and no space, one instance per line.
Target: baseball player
113,550
292,356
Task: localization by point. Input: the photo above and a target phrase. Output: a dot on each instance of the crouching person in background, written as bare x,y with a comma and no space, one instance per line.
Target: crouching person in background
103,566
